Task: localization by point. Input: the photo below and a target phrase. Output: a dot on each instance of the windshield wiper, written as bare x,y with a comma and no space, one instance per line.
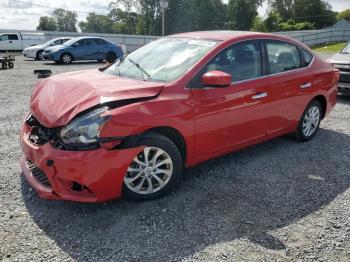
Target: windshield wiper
148,76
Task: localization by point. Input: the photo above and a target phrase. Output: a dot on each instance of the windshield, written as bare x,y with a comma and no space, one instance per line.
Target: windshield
164,60
346,49
70,42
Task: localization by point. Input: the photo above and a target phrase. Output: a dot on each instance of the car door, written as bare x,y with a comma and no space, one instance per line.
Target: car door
101,49
83,49
290,81
10,42
235,115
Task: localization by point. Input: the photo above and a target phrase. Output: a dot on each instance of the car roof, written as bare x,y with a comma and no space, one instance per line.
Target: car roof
89,37
225,35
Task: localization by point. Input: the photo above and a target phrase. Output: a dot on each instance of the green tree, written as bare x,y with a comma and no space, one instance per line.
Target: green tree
241,13
344,15
259,25
47,23
272,22
125,21
291,25
317,12
65,20
97,24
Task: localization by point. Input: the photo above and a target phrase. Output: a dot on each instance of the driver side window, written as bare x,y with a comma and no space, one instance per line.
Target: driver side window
242,61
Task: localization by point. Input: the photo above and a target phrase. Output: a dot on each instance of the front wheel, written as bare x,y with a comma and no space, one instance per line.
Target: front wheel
309,122
66,59
155,171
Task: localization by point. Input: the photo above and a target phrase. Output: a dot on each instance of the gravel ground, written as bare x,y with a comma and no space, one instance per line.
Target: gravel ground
279,201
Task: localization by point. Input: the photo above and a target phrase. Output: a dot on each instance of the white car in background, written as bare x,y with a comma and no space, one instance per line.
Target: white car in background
36,51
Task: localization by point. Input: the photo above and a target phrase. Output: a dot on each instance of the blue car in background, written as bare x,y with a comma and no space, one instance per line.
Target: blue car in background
84,48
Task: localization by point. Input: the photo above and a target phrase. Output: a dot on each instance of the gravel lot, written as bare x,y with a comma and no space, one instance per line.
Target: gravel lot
278,201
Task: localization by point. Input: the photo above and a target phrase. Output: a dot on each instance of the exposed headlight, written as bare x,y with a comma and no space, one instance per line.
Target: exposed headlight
85,129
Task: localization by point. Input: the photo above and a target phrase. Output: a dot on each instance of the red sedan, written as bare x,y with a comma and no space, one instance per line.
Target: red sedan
130,129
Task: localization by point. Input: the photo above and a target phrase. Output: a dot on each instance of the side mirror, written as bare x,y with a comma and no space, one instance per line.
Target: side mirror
216,79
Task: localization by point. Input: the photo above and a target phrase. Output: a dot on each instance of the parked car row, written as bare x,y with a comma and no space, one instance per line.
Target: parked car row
66,50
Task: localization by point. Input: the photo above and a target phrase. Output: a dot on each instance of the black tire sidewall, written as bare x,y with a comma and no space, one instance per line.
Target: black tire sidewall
156,140
38,55
111,57
300,133
4,65
11,65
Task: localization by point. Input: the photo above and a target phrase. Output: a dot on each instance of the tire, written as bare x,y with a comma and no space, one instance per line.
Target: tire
136,185
66,59
313,112
111,57
4,65
39,55
11,65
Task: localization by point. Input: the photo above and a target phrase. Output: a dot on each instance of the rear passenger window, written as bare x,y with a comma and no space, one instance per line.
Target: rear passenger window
282,57
99,41
13,37
307,57
242,61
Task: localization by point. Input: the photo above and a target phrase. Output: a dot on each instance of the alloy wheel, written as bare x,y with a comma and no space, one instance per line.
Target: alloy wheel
67,59
149,172
311,121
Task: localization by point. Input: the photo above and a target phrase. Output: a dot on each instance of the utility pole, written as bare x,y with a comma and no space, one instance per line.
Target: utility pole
163,6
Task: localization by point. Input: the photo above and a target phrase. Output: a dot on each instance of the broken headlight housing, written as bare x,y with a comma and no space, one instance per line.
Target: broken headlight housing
85,129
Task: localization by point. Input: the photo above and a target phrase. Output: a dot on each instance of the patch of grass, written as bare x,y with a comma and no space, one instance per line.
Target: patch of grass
332,48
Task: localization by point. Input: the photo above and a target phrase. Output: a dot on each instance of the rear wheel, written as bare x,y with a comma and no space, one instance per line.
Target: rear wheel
4,65
111,57
39,55
155,171
66,59
309,122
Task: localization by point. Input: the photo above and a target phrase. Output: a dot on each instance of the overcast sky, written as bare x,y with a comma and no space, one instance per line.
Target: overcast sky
16,15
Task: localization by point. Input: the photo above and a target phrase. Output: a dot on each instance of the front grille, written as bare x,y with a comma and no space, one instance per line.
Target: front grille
38,174
344,77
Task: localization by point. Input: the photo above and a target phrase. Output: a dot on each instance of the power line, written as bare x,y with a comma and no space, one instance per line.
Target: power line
52,8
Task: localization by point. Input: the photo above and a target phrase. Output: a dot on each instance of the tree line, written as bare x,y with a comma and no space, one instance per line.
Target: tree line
144,17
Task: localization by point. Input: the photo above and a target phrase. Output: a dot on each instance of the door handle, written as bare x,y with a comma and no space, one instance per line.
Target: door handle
259,95
306,85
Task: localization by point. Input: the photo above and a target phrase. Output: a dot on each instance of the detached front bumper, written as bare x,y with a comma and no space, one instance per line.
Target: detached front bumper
85,176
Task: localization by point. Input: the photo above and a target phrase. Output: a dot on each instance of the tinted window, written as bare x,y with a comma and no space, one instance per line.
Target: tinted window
99,41
307,57
57,42
282,57
242,61
85,42
13,37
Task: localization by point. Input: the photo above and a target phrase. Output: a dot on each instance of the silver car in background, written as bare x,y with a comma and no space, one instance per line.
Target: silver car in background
341,61
36,51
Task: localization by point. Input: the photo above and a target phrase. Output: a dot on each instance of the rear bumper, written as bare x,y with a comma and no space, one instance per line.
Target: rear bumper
100,172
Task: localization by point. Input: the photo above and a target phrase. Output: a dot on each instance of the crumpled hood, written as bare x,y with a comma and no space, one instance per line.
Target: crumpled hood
341,59
56,100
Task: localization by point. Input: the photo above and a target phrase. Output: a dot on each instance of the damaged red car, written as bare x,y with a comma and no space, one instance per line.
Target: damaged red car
132,128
